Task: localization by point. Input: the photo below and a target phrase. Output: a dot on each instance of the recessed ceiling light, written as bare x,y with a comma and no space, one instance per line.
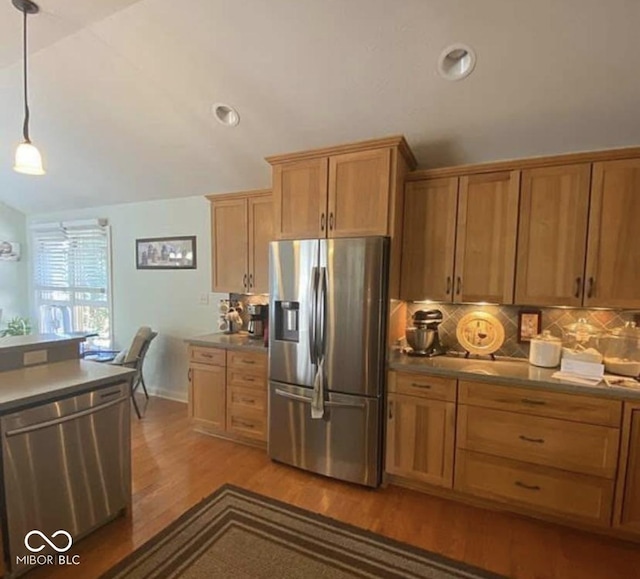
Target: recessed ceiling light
456,62
226,115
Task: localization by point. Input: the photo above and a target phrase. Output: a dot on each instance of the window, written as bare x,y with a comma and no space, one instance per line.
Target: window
72,278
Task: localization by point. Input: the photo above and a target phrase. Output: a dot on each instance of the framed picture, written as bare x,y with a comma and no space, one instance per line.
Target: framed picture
9,251
166,253
529,324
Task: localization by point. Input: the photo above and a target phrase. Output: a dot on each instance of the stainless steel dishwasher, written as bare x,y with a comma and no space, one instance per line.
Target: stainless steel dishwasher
67,465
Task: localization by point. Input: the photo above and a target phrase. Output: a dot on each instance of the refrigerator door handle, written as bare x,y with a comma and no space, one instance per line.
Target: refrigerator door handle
293,396
313,290
322,309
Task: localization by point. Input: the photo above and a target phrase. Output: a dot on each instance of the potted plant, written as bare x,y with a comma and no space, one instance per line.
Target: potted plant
17,327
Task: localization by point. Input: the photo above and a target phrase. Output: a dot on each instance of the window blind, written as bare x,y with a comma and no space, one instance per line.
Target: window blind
71,277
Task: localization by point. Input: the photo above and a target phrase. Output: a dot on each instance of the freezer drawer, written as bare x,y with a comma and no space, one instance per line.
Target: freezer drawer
344,444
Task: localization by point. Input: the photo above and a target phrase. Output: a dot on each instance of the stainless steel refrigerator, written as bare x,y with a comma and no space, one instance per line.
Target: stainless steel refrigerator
328,310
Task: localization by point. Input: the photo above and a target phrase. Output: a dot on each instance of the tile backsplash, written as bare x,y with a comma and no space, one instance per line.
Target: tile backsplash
553,319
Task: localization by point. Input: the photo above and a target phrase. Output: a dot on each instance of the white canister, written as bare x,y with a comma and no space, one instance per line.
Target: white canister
545,350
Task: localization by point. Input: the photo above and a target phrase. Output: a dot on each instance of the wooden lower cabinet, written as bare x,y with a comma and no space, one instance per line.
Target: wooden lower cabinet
627,515
547,490
207,396
420,439
228,393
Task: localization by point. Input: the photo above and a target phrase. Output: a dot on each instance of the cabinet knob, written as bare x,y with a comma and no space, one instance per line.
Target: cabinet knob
592,284
578,287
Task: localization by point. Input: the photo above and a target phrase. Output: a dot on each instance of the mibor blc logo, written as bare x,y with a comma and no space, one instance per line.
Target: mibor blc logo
60,541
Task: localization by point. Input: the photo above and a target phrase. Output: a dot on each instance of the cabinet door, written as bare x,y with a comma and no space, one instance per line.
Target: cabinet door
420,439
613,257
554,207
359,186
229,245
627,510
260,234
429,239
300,199
486,238
207,399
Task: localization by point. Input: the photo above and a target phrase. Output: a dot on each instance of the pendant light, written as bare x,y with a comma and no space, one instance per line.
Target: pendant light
28,158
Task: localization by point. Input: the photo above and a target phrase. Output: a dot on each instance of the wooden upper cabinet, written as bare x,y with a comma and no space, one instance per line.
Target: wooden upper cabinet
359,187
627,506
420,439
613,256
230,255
260,211
486,237
552,235
300,199
241,229
430,208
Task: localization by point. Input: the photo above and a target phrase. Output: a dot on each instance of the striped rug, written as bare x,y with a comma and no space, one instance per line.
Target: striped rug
238,534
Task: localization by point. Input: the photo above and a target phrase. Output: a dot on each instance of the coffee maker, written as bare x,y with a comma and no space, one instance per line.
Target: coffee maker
258,315
423,336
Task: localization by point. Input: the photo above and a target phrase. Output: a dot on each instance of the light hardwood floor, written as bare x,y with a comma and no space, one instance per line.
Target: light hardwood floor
174,468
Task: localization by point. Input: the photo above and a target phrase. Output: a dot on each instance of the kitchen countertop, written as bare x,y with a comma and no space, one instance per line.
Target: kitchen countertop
508,372
35,341
239,341
40,384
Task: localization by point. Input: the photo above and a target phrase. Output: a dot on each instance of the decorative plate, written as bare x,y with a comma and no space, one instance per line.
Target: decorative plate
480,333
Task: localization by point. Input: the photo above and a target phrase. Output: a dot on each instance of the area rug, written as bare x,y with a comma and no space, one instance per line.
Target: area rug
239,534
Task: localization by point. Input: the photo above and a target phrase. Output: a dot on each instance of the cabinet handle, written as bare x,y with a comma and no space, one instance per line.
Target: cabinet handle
322,222
244,281
243,423
206,355
578,287
425,386
331,221
527,439
250,280
247,379
448,285
592,283
391,410
533,402
459,286
528,487
189,375
248,361
248,400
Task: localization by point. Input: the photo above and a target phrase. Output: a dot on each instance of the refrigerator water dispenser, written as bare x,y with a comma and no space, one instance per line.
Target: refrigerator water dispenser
287,321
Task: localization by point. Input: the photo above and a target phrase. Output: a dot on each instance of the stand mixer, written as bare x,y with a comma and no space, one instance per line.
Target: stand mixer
423,336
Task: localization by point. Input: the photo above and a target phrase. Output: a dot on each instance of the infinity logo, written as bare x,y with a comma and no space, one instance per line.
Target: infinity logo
48,541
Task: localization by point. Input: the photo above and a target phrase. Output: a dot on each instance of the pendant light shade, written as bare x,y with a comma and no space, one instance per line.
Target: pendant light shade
28,158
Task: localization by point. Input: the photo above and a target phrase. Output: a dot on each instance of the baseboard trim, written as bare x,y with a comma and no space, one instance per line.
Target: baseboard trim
168,395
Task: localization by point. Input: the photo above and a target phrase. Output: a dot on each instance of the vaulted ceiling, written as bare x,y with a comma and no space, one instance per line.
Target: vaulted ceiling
121,90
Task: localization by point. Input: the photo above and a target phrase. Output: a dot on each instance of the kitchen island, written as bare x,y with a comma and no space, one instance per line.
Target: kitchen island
66,448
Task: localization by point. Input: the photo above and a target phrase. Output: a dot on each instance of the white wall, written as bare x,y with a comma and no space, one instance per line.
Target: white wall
14,300
168,301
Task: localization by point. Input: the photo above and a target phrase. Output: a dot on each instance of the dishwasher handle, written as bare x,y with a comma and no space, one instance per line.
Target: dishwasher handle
62,420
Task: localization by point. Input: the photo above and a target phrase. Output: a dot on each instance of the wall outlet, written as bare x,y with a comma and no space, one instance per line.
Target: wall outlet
204,299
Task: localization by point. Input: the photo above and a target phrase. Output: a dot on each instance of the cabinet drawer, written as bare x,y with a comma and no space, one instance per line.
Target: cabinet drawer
583,448
249,398
542,403
537,488
212,356
422,385
251,361
247,423
247,379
